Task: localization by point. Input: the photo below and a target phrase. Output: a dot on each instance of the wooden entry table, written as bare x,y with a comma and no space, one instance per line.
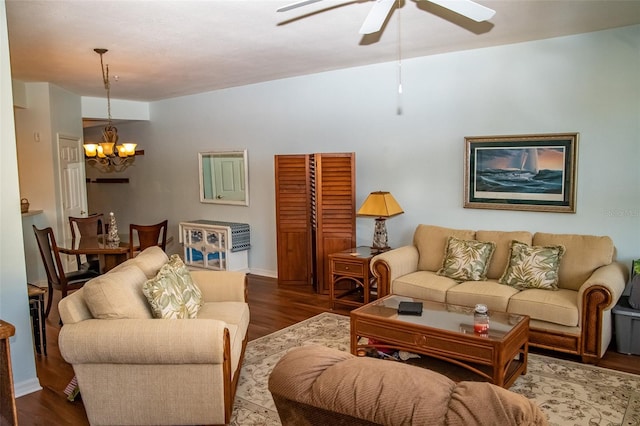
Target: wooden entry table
446,332
8,412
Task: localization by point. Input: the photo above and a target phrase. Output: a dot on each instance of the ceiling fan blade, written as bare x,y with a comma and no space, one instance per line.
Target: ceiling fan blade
296,5
467,8
376,17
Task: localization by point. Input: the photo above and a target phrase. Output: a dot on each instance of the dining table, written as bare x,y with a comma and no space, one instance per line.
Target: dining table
110,254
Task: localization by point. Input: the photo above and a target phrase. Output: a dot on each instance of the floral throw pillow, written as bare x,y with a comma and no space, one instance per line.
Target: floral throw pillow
466,260
532,266
172,294
164,293
191,294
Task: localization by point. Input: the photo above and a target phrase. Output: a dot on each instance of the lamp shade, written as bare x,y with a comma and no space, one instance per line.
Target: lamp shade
380,204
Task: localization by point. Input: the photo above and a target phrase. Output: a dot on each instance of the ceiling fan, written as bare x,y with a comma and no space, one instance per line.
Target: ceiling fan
381,8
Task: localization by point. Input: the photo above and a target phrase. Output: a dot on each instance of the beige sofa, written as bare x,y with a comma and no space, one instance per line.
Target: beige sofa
575,318
316,385
133,369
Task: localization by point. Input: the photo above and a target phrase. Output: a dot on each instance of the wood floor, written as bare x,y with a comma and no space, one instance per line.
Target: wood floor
272,308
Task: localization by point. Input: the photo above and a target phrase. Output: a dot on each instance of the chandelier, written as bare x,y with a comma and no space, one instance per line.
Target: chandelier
107,155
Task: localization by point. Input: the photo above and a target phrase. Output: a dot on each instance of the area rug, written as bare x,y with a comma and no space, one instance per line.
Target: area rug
569,393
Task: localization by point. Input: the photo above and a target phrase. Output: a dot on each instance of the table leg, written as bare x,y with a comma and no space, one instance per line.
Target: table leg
35,323
43,325
366,289
354,344
110,261
332,293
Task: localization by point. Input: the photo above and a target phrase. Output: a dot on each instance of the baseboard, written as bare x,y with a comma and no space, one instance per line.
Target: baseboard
264,273
27,387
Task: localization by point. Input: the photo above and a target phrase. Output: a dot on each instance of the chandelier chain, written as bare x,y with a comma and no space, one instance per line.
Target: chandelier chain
107,86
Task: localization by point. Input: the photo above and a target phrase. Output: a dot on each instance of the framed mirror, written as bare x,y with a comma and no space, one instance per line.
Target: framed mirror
224,177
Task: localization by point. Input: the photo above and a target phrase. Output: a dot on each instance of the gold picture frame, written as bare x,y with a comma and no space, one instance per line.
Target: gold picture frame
521,172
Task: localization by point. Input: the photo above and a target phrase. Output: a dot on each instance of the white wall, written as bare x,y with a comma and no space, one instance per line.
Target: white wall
586,83
35,150
50,111
14,306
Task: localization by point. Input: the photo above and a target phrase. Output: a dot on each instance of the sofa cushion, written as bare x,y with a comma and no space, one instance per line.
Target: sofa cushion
230,312
559,307
502,239
236,316
583,255
533,266
164,293
425,285
466,260
191,294
491,293
117,295
150,260
431,242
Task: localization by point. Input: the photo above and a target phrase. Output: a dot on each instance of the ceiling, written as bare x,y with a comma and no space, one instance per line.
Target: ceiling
161,49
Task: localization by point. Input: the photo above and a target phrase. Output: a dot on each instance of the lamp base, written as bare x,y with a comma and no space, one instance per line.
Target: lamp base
380,235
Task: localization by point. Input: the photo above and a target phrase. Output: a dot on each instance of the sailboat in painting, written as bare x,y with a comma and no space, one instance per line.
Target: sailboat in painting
529,161
517,171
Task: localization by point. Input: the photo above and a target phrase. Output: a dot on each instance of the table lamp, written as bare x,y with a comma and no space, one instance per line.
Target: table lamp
381,205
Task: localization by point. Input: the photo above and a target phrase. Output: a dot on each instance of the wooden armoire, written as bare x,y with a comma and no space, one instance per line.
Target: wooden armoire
315,215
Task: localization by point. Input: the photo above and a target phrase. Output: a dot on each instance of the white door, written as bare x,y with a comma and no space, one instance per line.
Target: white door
73,187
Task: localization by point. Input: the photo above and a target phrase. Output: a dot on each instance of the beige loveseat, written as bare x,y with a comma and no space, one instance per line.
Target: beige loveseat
575,318
316,385
133,369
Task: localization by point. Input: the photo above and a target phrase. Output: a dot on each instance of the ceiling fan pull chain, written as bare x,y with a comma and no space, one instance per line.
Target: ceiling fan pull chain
399,109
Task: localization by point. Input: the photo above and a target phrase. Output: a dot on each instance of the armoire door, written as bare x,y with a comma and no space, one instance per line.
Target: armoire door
293,219
334,221
315,215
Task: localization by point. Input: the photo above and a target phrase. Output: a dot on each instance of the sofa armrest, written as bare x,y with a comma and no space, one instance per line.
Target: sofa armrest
221,286
596,296
611,277
392,264
144,341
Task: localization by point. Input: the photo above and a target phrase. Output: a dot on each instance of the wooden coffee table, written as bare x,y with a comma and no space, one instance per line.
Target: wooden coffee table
446,332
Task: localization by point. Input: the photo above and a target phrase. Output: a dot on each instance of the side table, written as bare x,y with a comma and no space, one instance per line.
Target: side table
36,308
350,276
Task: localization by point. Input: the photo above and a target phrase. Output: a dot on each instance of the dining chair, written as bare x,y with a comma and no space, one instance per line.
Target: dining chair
57,279
90,226
148,235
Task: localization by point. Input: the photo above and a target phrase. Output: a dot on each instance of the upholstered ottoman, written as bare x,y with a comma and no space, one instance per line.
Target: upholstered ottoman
315,385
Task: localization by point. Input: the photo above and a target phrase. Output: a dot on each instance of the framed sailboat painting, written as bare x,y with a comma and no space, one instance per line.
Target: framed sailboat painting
521,172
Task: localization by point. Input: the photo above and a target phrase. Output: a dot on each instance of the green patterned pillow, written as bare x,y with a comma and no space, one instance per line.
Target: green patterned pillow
164,293
466,260
532,266
191,294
